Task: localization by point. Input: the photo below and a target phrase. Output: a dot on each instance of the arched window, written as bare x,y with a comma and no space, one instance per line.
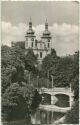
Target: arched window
40,54
35,43
48,40
32,39
26,44
48,45
40,45
32,44
26,39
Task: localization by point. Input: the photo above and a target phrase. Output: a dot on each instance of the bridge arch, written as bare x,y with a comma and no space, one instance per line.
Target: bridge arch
63,100
46,98
64,93
58,90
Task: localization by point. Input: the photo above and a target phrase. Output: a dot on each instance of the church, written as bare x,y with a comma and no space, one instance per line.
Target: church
40,48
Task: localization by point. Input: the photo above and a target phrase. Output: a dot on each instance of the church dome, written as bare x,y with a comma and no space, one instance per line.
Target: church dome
30,31
46,32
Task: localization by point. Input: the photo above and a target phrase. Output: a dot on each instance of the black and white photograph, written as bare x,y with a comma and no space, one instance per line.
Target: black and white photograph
39,62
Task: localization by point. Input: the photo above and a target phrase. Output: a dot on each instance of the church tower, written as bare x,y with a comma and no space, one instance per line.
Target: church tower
46,38
40,47
30,37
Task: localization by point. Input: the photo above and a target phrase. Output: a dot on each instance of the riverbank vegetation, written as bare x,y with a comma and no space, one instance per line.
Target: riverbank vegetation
21,75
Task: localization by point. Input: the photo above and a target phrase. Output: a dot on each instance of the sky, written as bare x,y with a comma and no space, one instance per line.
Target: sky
62,19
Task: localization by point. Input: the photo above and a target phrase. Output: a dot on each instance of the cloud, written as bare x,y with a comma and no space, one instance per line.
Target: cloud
64,36
12,33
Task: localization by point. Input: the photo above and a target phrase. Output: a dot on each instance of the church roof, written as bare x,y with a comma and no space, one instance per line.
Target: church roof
30,31
46,32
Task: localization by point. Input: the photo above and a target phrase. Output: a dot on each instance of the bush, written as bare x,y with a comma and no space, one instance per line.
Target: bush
72,116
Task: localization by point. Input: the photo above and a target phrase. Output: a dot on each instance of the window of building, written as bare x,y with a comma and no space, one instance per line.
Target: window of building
26,39
35,43
48,40
32,39
41,46
48,45
32,44
26,44
40,54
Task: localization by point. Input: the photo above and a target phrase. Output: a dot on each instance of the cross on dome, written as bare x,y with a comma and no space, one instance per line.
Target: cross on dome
46,25
30,24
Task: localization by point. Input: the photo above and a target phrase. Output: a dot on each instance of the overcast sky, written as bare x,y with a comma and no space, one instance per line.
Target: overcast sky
62,18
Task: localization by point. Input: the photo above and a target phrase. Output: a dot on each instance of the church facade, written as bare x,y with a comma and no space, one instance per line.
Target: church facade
40,48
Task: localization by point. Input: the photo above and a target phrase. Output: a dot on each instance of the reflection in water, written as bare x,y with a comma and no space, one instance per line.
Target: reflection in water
45,117
49,117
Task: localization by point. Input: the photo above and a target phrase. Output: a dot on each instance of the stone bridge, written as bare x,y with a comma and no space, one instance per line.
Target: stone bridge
57,90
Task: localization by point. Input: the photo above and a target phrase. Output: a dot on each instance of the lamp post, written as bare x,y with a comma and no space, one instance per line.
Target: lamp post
29,78
37,80
48,78
52,81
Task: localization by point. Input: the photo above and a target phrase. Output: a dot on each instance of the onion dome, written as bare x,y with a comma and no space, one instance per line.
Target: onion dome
46,32
30,31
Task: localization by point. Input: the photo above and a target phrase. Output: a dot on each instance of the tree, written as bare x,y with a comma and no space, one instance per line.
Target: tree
5,78
17,74
12,59
75,76
59,67
5,56
49,61
72,116
16,101
30,61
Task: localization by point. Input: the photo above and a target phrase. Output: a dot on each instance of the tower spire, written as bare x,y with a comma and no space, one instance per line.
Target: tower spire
30,19
46,20
30,24
46,25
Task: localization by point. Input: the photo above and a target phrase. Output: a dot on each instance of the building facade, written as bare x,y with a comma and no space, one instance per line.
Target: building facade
40,48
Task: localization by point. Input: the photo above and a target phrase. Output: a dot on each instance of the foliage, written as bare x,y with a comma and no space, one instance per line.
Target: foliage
75,76
19,77
30,61
59,67
14,63
72,116
49,61
5,56
36,100
17,93
11,59
17,74
16,101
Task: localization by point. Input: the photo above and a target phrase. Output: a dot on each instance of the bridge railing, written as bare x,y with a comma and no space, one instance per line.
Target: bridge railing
56,89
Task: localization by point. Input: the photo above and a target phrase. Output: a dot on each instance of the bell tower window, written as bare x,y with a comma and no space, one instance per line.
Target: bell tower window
48,45
26,39
40,54
32,44
48,40
35,43
26,44
41,46
32,39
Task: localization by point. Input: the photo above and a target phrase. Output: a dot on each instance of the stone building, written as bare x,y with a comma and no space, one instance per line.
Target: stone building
40,48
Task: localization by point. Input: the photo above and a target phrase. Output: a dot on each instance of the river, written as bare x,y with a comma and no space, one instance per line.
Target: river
41,116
